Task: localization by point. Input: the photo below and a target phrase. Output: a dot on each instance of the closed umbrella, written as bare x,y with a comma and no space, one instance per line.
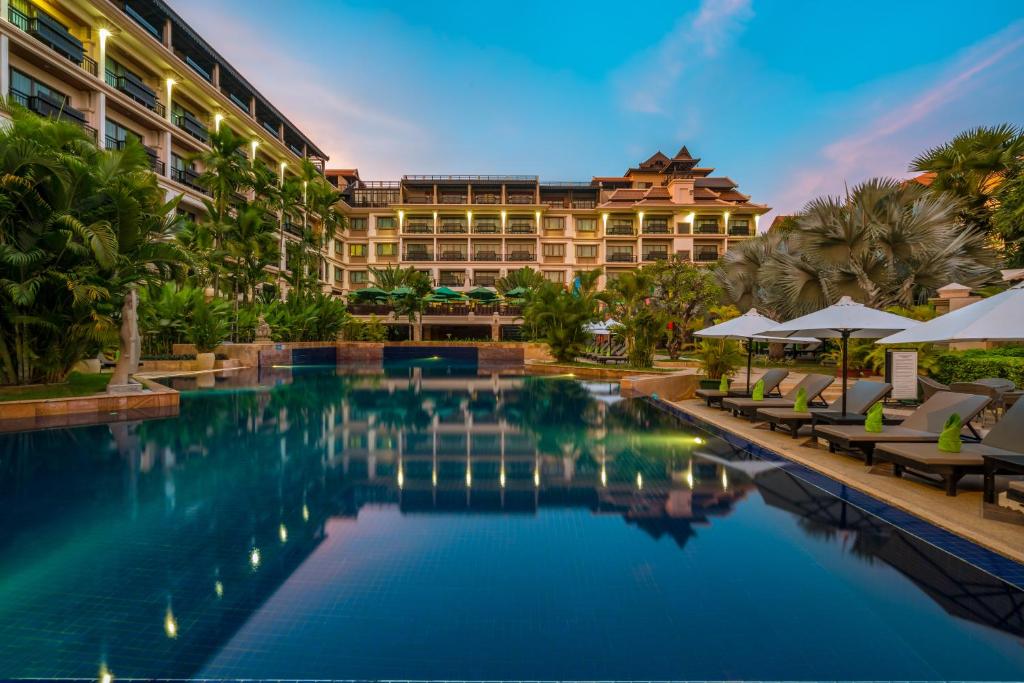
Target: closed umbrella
748,327
997,318
844,320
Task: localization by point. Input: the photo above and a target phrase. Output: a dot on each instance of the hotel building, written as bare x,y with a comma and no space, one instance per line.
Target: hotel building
469,230
135,68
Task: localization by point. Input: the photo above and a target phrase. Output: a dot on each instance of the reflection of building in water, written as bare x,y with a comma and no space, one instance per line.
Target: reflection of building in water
961,589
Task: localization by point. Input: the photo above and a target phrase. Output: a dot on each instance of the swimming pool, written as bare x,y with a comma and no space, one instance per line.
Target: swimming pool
431,521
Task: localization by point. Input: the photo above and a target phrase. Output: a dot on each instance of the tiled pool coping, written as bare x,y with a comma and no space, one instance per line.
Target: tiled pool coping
987,560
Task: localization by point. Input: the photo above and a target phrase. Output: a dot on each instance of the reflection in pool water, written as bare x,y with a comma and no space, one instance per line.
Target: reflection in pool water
432,522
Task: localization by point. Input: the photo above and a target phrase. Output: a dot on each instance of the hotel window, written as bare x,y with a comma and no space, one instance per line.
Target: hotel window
586,251
586,225
339,275
554,223
358,277
117,135
684,227
553,249
386,223
620,253
357,250
739,226
555,276
706,224
357,223
387,249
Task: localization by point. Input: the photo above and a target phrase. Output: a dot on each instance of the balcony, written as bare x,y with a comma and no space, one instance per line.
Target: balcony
453,228
418,256
419,229
199,69
521,228
707,229
486,255
132,86
656,229
620,229
452,199
419,199
50,105
584,203
484,280
191,125
521,199
142,21
454,255
188,178
452,279
521,255
621,257
486,228
239,102
705,256
270,128
740,231
292,228
487,198
656,255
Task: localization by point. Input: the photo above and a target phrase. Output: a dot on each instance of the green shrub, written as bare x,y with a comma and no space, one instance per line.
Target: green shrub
209,325
966,366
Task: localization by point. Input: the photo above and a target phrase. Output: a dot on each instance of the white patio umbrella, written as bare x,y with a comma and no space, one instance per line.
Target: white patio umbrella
845,319
748,327
997,318
600,328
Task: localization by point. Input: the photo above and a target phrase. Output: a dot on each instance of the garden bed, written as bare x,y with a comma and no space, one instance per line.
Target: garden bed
78,384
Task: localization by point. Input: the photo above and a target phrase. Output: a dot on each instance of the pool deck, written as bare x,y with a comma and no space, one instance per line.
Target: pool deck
961,515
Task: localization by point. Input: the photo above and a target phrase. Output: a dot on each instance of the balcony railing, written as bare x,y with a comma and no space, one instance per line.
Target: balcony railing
451,281
188,178
583,204
454,256
142,21
486,255
705,256
740,232
656,229
707,229
614,229
419,229
621,257
521,256
191,125
656,255
52,107
419,199
521,229
270,128
486,229
132,86
521,199
239,102
453,228
487,198
199,69
482,281
453,199
418,256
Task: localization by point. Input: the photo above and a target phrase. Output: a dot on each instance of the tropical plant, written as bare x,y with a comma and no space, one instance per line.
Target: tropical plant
225,175
559,316
208,325
251,244
683,292
306,317
372,330
413,285
525,278
1008,215
163,316
719,357
885,243
640,323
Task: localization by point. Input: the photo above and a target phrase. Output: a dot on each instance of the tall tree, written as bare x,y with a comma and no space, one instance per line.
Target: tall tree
683,292
640,324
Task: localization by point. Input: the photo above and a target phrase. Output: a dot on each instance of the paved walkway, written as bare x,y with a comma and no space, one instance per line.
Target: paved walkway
961,515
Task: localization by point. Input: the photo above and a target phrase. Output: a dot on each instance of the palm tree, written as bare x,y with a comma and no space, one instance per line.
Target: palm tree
640,324
251,245
559,316
226,171
525,278
411,303
885,243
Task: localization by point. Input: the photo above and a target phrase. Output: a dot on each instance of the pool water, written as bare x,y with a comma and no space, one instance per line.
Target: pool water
430,521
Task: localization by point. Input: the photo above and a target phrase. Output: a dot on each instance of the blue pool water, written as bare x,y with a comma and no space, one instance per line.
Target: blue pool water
439,522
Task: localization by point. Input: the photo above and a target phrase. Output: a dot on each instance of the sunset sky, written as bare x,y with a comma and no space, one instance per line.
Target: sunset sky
791,99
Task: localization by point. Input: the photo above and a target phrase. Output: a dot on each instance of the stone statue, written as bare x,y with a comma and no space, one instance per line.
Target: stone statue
262,330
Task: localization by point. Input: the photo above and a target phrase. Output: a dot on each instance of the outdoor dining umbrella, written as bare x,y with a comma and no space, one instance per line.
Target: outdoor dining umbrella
370,293
844,320
482,294
447,293
600,328
749,328
401,291
997,318
516,293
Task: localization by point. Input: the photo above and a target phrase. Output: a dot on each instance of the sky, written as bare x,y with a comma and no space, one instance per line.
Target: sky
791,99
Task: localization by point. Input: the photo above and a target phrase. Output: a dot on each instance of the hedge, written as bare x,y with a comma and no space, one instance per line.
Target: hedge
966,366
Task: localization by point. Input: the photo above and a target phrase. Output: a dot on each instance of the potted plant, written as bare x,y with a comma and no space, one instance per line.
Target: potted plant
206,330
718,358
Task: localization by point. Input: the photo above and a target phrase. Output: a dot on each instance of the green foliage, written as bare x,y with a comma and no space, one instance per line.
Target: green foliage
558,316
1008,215
719,357
886,243
309,317
640,323
164,312
525,277
372,330
208,325
684,293
965,366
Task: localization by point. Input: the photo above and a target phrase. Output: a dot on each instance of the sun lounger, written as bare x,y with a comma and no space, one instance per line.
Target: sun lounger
1016,492
748,407
861,396
928,387
1005,438
772,379
921,426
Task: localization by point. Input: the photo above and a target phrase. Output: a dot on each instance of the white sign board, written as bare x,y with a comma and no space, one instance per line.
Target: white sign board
901,372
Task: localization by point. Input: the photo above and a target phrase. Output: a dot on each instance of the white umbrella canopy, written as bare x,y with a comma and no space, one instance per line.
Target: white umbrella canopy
845,319
600,328
997,318
749,327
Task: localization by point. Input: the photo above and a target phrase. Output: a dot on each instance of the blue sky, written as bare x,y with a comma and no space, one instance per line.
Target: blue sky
791,99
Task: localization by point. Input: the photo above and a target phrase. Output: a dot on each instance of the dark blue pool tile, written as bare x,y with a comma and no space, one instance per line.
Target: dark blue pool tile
966,550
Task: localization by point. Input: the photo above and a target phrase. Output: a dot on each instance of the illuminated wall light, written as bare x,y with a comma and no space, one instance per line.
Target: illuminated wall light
641,216
217,118
253,145
697,440
282,533
170,624
757,222
254,558
725,219
536,478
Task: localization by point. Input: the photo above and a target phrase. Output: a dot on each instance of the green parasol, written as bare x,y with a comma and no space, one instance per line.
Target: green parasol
448,294
483,294
370,293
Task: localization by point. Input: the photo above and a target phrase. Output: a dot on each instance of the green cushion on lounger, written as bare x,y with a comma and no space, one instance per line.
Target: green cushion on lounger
800,404
758,393
873,420
949,438
724,384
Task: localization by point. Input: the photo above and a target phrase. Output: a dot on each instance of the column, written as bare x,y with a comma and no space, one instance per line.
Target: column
101,119
215,75
166,136
5,58
167,33
4,17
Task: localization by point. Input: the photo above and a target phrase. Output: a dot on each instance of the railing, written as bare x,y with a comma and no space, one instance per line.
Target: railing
419,199
521,229
584,204
571,184
740,232
486,255
494,178
486,229
158,165
707,229
187,177
705,256
521,256
191,125
484,281
620,230
141,21
656,230
454,256
521,199
241,104
418,256
198,68
487,199
270,128
453,229
135,89
419,229
453,199
620,257
293,228
656,255
451,281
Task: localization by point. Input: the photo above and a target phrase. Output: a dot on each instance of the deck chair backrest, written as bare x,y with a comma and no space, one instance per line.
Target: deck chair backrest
931,415
814,384
929,387
862,395
773,378
1008,433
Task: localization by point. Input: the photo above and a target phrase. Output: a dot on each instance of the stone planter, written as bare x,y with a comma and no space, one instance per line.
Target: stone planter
205,361
706,383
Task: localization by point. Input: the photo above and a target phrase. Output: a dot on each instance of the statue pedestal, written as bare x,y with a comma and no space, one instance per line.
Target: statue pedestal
131,387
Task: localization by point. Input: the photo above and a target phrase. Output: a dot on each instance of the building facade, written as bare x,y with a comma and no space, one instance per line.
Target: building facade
469,230
134,68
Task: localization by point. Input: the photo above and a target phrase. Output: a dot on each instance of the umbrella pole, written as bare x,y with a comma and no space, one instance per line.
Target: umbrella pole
846,348
750,353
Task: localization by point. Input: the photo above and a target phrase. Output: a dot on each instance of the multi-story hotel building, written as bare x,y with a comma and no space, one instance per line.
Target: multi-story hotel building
469,230
135,68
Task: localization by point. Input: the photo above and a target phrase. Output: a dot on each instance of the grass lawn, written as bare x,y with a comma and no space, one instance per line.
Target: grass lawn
78,384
